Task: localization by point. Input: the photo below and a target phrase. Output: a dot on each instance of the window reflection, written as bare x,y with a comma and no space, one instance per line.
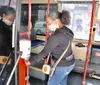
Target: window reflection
38,17
97,34
80,20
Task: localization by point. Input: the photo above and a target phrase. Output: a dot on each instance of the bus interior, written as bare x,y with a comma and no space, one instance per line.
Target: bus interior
80,11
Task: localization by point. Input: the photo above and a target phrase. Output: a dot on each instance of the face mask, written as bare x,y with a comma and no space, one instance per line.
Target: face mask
7,22
53,27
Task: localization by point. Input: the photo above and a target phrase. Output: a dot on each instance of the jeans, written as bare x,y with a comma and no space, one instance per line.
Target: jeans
60,75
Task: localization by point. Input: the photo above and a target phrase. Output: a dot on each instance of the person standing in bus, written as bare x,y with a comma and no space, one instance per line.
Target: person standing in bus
56,45
7,19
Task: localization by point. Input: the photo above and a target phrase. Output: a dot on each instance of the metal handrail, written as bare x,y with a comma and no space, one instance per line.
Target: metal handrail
11,75
2,71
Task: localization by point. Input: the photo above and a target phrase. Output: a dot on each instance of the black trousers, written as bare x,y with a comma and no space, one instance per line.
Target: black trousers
6,74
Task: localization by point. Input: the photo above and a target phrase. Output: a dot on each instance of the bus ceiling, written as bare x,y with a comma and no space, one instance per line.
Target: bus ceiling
52,1
38,1
57,1
76,1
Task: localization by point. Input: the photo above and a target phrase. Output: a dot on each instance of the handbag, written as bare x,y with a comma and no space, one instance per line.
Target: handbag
47,68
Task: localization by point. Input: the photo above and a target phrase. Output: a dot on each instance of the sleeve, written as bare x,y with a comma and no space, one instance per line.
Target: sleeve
51,44
1,40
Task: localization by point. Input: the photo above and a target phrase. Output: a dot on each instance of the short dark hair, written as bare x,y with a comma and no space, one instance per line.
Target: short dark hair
9,10
2,9
64,16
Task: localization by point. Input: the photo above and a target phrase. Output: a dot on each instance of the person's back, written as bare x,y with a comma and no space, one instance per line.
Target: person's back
63,36
59,41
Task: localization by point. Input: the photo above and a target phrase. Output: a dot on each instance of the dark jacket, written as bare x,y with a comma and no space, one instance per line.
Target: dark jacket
56,45
5,39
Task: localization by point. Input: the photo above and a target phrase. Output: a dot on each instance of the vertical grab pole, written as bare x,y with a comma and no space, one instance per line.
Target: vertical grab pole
18,69
47,35
9,3
15,38
89,43
11,75
47,13
29,17
21,66
29,29
24,73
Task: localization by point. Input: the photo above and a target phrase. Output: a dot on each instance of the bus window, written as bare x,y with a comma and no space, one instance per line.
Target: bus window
38,17
97,34
80,20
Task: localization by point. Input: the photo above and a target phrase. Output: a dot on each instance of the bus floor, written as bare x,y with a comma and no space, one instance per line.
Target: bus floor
74,79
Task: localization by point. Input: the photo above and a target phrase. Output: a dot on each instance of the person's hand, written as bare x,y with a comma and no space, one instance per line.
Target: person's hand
27,63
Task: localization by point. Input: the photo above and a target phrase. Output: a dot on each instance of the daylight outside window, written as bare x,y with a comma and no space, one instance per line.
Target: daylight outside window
80,20
38,17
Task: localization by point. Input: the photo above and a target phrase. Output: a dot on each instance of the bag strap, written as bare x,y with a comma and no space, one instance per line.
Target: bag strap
57,62
47,59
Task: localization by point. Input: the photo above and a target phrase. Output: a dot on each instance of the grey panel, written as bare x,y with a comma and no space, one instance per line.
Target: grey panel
38,74
79,67
74,79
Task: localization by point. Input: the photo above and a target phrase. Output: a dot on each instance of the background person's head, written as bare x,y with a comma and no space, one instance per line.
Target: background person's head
57,19
8,15
2,8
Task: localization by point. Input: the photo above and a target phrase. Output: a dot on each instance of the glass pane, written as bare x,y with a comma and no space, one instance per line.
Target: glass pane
5,3
38,17
80,19
97,33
